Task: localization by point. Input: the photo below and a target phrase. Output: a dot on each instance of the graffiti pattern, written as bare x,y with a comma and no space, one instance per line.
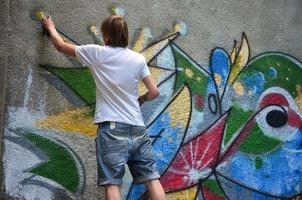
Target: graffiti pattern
231,130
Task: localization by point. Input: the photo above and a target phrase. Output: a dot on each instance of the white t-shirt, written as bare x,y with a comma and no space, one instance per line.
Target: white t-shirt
116,72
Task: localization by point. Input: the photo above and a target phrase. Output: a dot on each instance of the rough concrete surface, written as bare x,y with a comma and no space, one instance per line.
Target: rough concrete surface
26,95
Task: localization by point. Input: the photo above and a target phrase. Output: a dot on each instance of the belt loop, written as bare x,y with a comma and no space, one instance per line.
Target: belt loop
99,126
112,124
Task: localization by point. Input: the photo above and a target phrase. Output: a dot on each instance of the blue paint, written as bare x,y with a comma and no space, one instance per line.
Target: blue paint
164,148
255,83
272,72
220,65
280,174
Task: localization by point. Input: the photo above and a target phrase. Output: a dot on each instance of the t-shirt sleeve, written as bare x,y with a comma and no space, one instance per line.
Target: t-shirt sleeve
87,54
144,70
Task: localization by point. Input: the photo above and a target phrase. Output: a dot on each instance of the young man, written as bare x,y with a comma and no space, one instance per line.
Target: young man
121,137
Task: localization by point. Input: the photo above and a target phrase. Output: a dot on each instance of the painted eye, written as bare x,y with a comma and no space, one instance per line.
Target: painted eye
276,118
272,120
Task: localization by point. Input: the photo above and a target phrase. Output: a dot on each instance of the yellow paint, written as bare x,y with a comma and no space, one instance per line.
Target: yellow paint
40,15
298,99
233,55
217,79
93,29
156,74
240,60
177,27
188,194
287,78
189,73
198,79
139,43
151,51
179,109
239,89
96,33
73,120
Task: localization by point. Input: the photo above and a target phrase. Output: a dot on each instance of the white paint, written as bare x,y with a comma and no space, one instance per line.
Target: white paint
166,59
181,27
118,10
21,117
28,87
15,167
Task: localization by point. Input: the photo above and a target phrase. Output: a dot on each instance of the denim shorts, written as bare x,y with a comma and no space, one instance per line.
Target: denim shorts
120,143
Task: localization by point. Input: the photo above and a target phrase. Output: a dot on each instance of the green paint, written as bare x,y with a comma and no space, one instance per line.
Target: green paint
60,168
80,80
285,66
197,87
213,187
258,162
257,143
90,112
236,120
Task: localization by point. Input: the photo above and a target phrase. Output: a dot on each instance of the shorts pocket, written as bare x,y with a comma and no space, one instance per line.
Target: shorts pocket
115,152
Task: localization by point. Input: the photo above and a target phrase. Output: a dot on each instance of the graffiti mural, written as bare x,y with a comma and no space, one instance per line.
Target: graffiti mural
229,130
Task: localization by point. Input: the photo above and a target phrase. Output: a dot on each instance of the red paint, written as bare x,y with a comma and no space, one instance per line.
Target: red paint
199,101
299,197
294,119
273,98
208,195
197,155
238,140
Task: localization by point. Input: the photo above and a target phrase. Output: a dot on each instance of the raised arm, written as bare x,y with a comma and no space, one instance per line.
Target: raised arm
153,90
57,40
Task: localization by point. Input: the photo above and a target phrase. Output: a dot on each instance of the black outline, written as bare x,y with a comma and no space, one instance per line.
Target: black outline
250,60
254,190
158,135
69,38
217,158
164,47
219,185
160,40
198,65
175,67
215,102
184,132
215,84
234,49
228,148
201,186
166,79
199,189
220,97
249,55
267,53
160,67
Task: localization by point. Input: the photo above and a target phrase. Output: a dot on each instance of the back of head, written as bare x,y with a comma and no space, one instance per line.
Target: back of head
115,31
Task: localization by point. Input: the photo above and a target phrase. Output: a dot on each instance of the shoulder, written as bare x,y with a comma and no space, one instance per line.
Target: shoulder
90,47
136,55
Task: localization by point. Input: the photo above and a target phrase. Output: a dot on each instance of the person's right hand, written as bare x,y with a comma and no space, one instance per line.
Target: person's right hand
48,23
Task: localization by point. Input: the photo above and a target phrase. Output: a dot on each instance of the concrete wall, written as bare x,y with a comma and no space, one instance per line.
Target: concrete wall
227,124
